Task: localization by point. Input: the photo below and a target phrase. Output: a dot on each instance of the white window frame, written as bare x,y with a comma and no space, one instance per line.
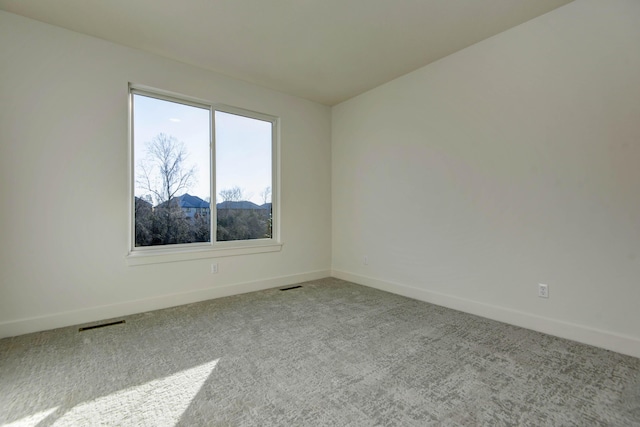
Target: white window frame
213,249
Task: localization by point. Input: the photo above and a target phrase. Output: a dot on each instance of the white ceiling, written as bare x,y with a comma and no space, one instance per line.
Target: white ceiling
323,50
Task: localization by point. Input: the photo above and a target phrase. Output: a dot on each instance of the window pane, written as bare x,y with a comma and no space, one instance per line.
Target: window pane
243,177
171,171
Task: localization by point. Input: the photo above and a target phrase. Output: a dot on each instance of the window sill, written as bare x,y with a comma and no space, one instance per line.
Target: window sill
162,255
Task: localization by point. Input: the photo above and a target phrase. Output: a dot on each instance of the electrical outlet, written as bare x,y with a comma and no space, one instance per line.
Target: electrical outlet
214,268
543,290
365,260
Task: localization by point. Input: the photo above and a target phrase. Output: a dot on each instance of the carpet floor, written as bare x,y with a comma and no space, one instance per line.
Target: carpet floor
327,353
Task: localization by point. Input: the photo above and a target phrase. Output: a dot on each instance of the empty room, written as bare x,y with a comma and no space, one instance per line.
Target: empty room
340,213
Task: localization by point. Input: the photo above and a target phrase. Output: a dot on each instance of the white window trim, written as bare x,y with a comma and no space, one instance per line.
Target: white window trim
189,254
213,249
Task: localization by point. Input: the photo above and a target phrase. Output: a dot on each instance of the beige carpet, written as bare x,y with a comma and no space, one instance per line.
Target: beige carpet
329,353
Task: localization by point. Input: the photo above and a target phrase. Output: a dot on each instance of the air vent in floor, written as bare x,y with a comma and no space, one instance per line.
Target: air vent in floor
102,325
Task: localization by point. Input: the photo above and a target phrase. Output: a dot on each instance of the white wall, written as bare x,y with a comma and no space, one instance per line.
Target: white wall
511,163
65,191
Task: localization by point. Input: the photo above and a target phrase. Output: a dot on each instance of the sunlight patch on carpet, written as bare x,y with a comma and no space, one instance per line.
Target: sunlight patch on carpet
32,420
158,402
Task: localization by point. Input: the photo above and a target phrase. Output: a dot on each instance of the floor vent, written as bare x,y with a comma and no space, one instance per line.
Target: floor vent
293,287
102,325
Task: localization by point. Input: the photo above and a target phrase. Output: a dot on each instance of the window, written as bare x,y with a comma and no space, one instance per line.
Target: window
203,175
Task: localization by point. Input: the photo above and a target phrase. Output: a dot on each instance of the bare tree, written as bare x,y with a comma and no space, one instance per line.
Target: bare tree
164,175
163,172
234,194
265,195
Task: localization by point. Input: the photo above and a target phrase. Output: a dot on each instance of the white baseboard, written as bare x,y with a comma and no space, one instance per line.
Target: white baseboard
92,314
604,339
